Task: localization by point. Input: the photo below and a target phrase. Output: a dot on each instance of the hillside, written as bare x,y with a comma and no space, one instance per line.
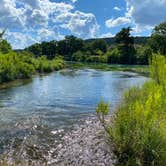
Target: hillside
111,40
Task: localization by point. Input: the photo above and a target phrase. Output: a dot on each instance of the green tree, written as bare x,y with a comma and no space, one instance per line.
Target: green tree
5,47
69,45
49,49
113,56
99,44
126,46
158,39
35,49
1,35
144,54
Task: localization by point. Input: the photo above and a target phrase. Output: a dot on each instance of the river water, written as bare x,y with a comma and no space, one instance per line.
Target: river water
35,116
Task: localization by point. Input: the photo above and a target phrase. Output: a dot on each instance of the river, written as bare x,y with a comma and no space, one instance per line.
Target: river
35,116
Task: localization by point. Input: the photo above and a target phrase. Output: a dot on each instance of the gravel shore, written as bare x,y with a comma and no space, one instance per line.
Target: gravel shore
85,145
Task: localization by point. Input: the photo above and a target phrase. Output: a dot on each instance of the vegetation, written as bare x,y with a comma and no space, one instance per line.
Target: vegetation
158,39
138,127
122,49
18,66
125,48
23,65
141,69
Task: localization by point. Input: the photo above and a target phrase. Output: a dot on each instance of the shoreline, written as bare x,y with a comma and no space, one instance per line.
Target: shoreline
78,65
140,69
85,145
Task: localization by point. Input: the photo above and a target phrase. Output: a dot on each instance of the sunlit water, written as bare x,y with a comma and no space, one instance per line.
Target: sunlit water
34,116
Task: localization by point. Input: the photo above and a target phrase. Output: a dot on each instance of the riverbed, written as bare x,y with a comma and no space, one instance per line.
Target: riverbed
39,117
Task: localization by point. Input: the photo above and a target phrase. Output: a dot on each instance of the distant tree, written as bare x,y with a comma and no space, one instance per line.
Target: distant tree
158,39
144,54
99,44
88,47
49,49
124,36
79,56
1,35
126,46
5,47
62,47
114,56
70,45
36,49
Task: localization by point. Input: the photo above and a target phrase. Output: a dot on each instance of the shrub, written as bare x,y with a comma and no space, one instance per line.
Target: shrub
114,56
138,127
23,65
12,66
144,54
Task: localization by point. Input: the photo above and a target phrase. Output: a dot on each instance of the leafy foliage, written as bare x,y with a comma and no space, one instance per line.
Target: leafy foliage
143,55
121,50
158,39
126,46
5,47
17,66
138,128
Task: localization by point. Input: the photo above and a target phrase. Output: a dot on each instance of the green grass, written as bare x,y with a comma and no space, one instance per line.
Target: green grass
138,127
141,69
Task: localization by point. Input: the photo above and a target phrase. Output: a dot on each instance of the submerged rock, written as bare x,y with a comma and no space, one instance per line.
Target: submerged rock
83,145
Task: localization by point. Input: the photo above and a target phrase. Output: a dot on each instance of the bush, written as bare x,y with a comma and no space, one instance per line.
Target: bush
114,56
23,65
44,66
13,67
79,56
138,127
143,56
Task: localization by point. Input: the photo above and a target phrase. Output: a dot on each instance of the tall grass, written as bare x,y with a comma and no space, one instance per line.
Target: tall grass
18,66
138,127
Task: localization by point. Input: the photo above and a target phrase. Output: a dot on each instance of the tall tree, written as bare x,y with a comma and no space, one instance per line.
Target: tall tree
158,39
35,49
69,45
49,49
126,46
1,35
99,44
5,47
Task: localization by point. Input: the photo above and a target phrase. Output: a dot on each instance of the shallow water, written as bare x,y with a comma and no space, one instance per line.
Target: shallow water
34,116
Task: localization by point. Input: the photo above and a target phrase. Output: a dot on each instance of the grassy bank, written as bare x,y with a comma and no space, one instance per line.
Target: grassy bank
141,69
138,127
21,66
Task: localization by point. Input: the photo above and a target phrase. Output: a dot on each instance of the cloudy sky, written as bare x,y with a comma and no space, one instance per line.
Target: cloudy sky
30,21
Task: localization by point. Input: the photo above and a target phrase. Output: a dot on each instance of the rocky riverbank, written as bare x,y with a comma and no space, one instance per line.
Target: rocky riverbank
85,145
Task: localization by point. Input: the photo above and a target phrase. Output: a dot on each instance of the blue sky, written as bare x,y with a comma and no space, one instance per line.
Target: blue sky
30,21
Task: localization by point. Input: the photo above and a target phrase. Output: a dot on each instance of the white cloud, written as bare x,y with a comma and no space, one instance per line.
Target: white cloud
138,29
38,20
74,1
48,34
79,23
117,8
117,22
20,40
142,15
10,15
147,12
106,35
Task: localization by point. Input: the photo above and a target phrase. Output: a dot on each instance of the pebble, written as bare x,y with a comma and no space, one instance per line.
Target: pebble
84,146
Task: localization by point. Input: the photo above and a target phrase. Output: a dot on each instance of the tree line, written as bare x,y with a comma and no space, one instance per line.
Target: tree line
124,48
